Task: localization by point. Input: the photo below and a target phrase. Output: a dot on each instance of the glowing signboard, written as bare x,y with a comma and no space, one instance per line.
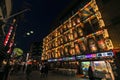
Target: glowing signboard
90,56
105,54
60,59
96,55
80,57
87,56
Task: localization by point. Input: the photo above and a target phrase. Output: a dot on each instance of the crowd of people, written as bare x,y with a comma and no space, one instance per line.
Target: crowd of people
8,68
42,67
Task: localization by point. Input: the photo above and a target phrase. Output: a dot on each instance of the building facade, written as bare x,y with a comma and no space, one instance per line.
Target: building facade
88,37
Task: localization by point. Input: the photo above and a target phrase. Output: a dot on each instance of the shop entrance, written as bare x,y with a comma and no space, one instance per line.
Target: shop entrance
102,69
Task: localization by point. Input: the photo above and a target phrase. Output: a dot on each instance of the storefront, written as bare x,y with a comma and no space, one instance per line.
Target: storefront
64,66
101,64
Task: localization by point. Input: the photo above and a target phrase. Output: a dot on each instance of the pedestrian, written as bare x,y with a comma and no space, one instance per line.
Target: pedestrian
40,67
24,67
42,70
2,70
46,70
90,73
28,71
7,70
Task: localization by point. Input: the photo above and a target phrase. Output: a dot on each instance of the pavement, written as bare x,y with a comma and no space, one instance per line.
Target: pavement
35,75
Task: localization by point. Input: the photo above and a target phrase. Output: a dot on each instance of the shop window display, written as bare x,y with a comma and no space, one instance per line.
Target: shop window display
101,70
85,66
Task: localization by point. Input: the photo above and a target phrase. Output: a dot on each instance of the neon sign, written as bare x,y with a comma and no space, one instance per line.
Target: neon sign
90,56
8,35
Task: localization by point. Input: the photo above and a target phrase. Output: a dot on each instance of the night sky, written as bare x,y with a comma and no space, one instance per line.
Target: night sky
39,19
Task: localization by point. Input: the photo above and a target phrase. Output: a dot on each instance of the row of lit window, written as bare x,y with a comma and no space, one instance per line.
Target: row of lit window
93,44
76,19
74,34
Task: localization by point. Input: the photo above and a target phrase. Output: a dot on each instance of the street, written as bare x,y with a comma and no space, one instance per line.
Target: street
35,75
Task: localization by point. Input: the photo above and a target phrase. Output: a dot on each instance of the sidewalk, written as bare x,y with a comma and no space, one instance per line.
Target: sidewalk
35,75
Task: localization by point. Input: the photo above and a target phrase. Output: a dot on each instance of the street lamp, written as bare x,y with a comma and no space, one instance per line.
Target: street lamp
28,33
31,32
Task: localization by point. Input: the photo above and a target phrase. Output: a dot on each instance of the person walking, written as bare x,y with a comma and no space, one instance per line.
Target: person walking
90,73
46,70
28,71
42,70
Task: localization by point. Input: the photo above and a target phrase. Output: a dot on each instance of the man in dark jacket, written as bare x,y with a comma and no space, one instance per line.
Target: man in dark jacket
28,71
46,70
90,73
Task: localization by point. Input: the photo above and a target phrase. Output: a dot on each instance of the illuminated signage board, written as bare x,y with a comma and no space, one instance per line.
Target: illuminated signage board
71,58
96,55
105,54
80,57
68,58
87,56
52,60
60,59
90,56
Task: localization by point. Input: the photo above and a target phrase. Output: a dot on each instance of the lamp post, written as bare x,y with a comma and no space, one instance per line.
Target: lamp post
29,33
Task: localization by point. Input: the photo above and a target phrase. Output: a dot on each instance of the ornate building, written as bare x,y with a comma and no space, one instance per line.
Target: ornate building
88,37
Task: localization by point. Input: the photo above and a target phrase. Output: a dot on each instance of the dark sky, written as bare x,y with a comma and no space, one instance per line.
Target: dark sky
39,19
